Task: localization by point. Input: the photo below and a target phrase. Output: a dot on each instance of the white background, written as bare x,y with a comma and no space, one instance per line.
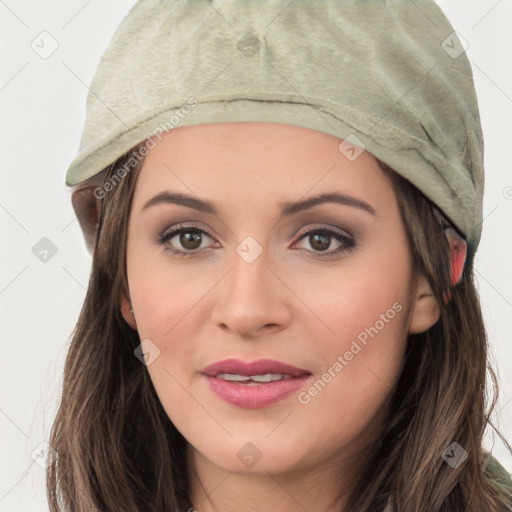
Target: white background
42,111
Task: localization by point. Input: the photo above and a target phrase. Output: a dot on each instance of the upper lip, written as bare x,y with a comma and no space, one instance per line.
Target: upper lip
259,367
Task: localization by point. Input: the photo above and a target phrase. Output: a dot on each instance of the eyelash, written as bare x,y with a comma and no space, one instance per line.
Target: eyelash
349,242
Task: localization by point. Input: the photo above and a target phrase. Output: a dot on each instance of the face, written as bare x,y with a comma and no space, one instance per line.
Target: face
326,286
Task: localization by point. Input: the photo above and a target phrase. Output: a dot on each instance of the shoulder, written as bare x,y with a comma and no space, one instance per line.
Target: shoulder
496,472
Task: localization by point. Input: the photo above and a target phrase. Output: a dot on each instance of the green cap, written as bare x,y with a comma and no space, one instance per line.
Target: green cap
389,76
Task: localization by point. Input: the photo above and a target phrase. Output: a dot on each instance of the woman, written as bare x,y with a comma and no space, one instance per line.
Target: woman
283,201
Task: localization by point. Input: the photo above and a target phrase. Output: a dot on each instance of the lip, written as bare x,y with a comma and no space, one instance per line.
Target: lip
253,396
259,367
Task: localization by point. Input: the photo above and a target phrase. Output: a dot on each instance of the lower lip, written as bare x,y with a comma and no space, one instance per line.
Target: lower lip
258,395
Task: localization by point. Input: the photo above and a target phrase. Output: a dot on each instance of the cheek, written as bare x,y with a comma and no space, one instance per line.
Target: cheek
366,298
362,361
164,293
165,301
365,307
363,351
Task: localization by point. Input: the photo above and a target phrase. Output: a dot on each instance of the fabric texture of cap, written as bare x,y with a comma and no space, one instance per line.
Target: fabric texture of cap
391,77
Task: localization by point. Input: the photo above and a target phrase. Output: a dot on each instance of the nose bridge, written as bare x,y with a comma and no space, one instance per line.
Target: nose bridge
248,284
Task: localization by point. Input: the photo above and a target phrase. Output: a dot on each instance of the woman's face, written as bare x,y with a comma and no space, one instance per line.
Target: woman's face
326,286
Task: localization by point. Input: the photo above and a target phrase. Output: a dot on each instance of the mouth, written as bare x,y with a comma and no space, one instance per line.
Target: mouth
253,379
253,385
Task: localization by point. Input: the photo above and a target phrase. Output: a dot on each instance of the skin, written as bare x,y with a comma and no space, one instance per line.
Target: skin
290,304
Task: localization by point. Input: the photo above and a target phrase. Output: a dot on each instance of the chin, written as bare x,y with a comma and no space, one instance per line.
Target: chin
254,456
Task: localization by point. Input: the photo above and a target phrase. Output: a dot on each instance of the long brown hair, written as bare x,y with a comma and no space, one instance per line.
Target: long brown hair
119,451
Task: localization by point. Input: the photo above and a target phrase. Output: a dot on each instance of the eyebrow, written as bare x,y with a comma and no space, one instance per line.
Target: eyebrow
288,208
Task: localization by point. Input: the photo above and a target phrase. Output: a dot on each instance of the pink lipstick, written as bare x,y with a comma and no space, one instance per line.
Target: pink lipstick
256,384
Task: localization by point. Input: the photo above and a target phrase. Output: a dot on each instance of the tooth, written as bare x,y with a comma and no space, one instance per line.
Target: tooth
236,378
281,377
264,378
268,377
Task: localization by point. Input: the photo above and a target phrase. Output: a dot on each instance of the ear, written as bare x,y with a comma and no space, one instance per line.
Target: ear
458,250
87,210
127,312
426,309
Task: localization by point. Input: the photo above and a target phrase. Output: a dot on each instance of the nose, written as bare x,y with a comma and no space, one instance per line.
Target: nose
252,300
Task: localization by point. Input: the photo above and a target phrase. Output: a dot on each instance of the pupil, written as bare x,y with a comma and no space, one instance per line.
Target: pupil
319,237
187,239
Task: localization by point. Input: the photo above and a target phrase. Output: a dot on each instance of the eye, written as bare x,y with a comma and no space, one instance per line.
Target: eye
321,239
189,240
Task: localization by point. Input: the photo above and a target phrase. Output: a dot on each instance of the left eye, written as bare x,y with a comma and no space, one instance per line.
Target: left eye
321,239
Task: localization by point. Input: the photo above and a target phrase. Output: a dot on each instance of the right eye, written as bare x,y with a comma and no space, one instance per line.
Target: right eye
190,239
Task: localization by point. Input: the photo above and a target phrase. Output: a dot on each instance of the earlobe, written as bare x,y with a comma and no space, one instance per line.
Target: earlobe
87,210
426,310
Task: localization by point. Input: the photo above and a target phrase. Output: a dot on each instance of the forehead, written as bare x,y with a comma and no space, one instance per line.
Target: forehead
256,159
